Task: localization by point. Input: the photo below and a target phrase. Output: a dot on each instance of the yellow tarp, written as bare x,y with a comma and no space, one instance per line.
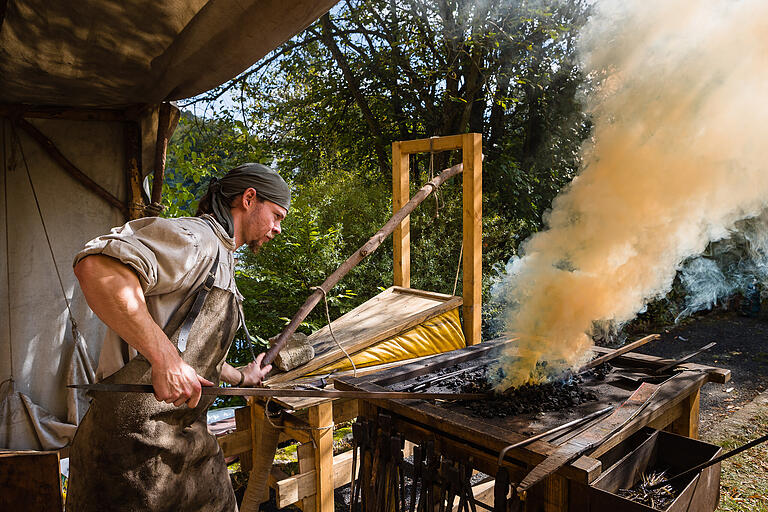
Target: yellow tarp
439,334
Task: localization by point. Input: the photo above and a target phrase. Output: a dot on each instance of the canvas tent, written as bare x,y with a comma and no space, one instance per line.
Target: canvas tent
84,87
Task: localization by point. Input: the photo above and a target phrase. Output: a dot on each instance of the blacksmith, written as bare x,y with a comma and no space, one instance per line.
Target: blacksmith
166,290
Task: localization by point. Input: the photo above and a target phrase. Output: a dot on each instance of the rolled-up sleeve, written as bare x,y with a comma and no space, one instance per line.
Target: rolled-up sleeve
162,253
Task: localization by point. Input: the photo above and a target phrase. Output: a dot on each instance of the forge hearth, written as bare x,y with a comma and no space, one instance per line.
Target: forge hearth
557,394
473,434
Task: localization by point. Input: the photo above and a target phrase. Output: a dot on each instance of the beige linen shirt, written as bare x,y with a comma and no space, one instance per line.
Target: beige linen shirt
171,258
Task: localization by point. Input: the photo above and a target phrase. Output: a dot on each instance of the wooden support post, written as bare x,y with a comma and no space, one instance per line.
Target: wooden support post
472,149
321,415
161,146
688,422
243,423
306,455
264,442
401,237
549,495
133,170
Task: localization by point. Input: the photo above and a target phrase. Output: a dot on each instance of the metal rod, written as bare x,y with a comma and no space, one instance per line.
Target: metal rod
268,392
578,421
683,359
705,465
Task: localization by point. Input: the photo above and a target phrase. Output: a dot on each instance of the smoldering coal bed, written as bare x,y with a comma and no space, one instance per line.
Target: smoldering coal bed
557,394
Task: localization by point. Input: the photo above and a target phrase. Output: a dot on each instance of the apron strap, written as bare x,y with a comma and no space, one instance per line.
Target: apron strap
186,327
250,340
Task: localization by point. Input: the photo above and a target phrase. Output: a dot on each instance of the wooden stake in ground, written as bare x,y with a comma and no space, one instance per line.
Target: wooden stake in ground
371,245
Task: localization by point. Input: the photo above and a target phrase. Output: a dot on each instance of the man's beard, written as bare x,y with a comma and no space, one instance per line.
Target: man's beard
254,246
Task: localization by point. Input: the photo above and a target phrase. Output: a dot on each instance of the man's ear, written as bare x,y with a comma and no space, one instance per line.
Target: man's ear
249,195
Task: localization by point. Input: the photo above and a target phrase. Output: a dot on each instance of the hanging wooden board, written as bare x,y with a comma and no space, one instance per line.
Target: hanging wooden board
388,314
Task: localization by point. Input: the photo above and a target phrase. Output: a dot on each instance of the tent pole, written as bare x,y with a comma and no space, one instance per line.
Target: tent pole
133,169
161,147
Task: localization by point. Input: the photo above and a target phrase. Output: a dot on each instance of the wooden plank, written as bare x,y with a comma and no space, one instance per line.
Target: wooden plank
688,423
584,469
472,148
401,237
473,432
714,374
298,487
672,393
322,416
444,143
424,293
386,315
345,410
30,480
591,437
235,443
621,350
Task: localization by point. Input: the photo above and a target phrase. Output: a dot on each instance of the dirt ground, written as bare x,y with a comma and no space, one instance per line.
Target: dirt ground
742,347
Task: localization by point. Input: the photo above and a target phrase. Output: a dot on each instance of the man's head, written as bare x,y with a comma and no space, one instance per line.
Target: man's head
256,220
249,202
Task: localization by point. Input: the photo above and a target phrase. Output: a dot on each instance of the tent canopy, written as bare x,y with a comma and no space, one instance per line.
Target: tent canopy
98,53
81,84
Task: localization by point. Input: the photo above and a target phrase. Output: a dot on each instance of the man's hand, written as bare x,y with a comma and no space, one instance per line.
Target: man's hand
177,383
253,373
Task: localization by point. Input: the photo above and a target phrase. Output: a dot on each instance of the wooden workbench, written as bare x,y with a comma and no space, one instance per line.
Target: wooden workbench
460,436
310,420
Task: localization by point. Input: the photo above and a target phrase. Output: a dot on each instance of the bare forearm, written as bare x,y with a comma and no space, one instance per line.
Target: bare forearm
114,293
230,374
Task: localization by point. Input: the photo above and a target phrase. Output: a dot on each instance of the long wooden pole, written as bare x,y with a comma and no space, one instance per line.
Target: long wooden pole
371,245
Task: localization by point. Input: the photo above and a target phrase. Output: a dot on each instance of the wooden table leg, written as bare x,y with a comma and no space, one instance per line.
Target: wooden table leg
264,441
321,415
688,423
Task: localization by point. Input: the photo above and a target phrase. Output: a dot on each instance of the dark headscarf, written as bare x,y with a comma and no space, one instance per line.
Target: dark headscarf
267,183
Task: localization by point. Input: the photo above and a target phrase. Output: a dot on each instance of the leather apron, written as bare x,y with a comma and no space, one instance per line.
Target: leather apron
133,453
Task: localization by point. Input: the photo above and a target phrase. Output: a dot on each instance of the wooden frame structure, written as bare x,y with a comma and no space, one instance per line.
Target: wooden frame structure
471,145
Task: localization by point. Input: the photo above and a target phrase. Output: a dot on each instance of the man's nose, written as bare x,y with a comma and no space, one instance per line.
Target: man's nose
276,228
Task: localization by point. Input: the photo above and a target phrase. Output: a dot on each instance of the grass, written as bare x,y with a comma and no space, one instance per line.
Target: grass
744,478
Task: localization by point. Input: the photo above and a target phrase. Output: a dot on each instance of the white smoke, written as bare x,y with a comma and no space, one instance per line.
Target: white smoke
677,157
